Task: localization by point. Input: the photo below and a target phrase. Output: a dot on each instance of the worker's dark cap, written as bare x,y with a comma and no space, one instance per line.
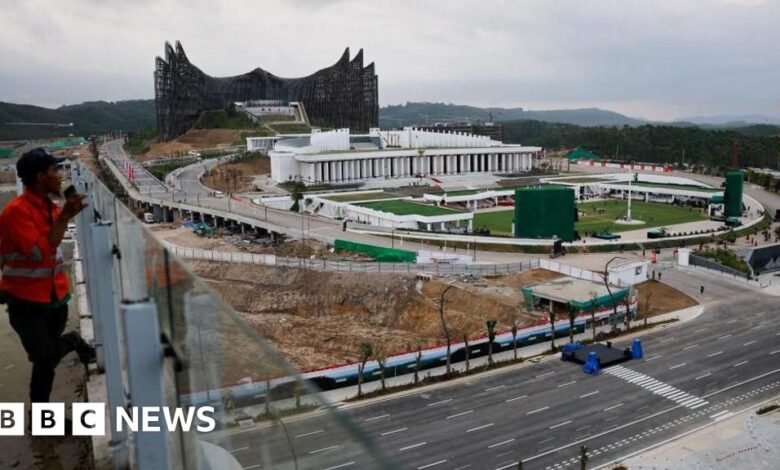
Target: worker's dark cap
36,161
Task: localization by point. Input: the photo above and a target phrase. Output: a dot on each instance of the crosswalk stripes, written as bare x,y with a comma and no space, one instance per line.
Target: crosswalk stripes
656,386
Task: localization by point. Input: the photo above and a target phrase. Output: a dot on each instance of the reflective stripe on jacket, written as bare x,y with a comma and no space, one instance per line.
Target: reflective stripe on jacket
32,269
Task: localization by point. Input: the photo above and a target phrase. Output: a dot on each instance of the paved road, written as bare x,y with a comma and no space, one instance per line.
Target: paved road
693,373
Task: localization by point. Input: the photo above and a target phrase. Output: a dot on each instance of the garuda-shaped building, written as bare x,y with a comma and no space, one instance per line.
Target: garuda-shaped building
342,95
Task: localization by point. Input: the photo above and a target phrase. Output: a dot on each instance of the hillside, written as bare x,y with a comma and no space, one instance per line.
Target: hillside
422,113
93,117
759,145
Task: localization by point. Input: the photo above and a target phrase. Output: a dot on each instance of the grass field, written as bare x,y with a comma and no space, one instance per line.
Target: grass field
690,187
582,180
403,207
466,192
654,215
359,197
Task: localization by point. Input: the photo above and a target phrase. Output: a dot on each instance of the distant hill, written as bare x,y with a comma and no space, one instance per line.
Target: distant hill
733,120
431,113
20,121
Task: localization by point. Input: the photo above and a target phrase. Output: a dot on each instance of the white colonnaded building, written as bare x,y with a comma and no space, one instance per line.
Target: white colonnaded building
338,157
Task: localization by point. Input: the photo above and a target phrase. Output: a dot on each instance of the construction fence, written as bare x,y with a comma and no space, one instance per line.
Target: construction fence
350,266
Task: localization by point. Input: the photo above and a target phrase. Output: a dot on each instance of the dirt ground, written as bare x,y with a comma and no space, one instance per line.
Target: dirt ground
237,176
193,139
319,318
656,298
183,236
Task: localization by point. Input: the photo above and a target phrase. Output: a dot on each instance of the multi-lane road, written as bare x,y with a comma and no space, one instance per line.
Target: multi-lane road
693,374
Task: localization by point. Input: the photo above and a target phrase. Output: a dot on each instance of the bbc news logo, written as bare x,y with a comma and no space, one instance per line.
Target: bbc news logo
89,419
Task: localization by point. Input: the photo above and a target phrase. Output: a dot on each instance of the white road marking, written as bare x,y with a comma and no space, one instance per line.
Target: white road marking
774,352
324,449
536,411
567,383
731,321
725,336
515,398
248,467
715,354
749,343
439,402
655,386
412,446
653,358
589,394
690,347
720,414
613,407
432,464
341,465
699,330
500,443
393,431
480,427
678,366
741,363
494,388
376,417
310,433
545,374
546,440
460,414
239,449
703,376
560,424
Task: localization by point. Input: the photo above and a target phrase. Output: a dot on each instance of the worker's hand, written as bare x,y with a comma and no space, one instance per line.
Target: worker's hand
73,205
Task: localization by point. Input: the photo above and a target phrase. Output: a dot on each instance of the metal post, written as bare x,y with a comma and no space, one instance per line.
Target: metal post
92,276
100,254
145,369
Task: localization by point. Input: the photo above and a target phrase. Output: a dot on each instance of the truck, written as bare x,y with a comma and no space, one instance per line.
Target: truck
149,218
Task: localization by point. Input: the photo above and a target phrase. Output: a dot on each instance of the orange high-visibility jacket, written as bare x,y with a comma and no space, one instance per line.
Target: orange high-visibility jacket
32,269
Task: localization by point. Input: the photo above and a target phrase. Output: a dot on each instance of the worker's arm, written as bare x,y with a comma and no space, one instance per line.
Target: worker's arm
73,205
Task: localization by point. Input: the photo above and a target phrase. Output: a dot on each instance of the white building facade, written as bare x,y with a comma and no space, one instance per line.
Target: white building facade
336,156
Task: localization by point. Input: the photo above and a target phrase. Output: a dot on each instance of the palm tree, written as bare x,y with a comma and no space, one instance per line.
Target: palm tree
366,351
491,328
514,340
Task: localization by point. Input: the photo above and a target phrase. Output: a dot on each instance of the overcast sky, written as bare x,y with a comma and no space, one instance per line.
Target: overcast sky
659,59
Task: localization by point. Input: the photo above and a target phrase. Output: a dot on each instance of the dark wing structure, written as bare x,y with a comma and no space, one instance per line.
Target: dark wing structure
342,95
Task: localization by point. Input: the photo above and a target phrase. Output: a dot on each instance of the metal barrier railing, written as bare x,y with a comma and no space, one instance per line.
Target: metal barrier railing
165,339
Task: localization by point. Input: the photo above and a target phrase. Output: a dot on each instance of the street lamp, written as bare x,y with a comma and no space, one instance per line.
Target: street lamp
444,326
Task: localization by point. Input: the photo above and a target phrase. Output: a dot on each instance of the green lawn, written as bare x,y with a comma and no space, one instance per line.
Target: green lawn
404,207
690,187
358,197
582,180
654,215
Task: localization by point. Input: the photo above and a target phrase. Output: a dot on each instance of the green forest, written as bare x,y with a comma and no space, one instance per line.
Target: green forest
759,145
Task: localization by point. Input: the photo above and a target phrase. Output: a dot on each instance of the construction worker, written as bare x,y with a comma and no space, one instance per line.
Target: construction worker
34,284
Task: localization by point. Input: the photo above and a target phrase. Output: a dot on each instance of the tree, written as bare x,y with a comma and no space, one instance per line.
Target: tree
514,340
551,314
467,351
381,360
296,194
444,327
491,329
593,297
572,317
417,364
366,351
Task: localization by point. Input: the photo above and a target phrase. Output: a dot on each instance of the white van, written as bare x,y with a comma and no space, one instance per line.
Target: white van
219,194
148,217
